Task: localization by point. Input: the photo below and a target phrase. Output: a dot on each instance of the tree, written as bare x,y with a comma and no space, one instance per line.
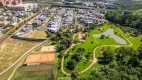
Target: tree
74,75
140,52
126,65
124,54
77,57
102,36
129,19
109,55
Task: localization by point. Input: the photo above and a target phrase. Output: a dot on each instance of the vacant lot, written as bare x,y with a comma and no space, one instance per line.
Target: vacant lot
35,72
11,50
37,34
40,58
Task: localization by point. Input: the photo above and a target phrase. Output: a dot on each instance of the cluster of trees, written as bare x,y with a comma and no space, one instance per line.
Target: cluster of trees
75,59
129,19
63,39
90,27
128,6
123,64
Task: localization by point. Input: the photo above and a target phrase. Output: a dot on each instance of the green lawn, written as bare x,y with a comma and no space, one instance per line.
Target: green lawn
136,41
59,72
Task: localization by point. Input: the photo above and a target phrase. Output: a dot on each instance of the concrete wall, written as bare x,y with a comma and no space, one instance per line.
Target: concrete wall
27,39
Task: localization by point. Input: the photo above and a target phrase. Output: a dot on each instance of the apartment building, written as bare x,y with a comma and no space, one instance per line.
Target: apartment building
9,2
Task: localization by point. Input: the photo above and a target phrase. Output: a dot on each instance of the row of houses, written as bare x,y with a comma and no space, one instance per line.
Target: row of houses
63,17
22,7
10,18
32,25
55,23
35,24
87,17
68,17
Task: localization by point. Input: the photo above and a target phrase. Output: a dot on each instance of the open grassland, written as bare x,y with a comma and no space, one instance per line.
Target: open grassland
7,74
37,34
11,50
35,72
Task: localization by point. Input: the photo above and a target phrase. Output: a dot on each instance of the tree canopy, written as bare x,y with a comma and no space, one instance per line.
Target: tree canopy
126,65
128,19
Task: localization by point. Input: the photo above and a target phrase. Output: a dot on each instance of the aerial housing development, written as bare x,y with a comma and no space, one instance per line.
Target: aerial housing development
70,40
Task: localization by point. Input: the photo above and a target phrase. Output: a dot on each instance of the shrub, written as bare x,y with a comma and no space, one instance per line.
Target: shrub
102,36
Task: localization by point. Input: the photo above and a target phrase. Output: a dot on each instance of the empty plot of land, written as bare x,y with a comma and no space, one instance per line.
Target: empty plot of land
40,58
35,72
36,34
111,34
11,50
48,49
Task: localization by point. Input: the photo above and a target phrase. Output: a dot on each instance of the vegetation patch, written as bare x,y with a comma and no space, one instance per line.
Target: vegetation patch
35,72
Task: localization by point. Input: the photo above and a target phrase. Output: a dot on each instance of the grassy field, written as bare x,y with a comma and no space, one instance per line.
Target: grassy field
11,50
37,34
136,41
59,72
35,72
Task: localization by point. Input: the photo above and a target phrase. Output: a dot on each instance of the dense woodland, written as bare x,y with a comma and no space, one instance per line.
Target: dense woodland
128,6
128,19
63,39
124,63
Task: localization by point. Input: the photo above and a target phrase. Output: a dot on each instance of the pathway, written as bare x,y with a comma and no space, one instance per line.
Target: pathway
62,62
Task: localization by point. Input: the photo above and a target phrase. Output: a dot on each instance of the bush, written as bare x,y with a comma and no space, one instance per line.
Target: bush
102,36
91,42
141,40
